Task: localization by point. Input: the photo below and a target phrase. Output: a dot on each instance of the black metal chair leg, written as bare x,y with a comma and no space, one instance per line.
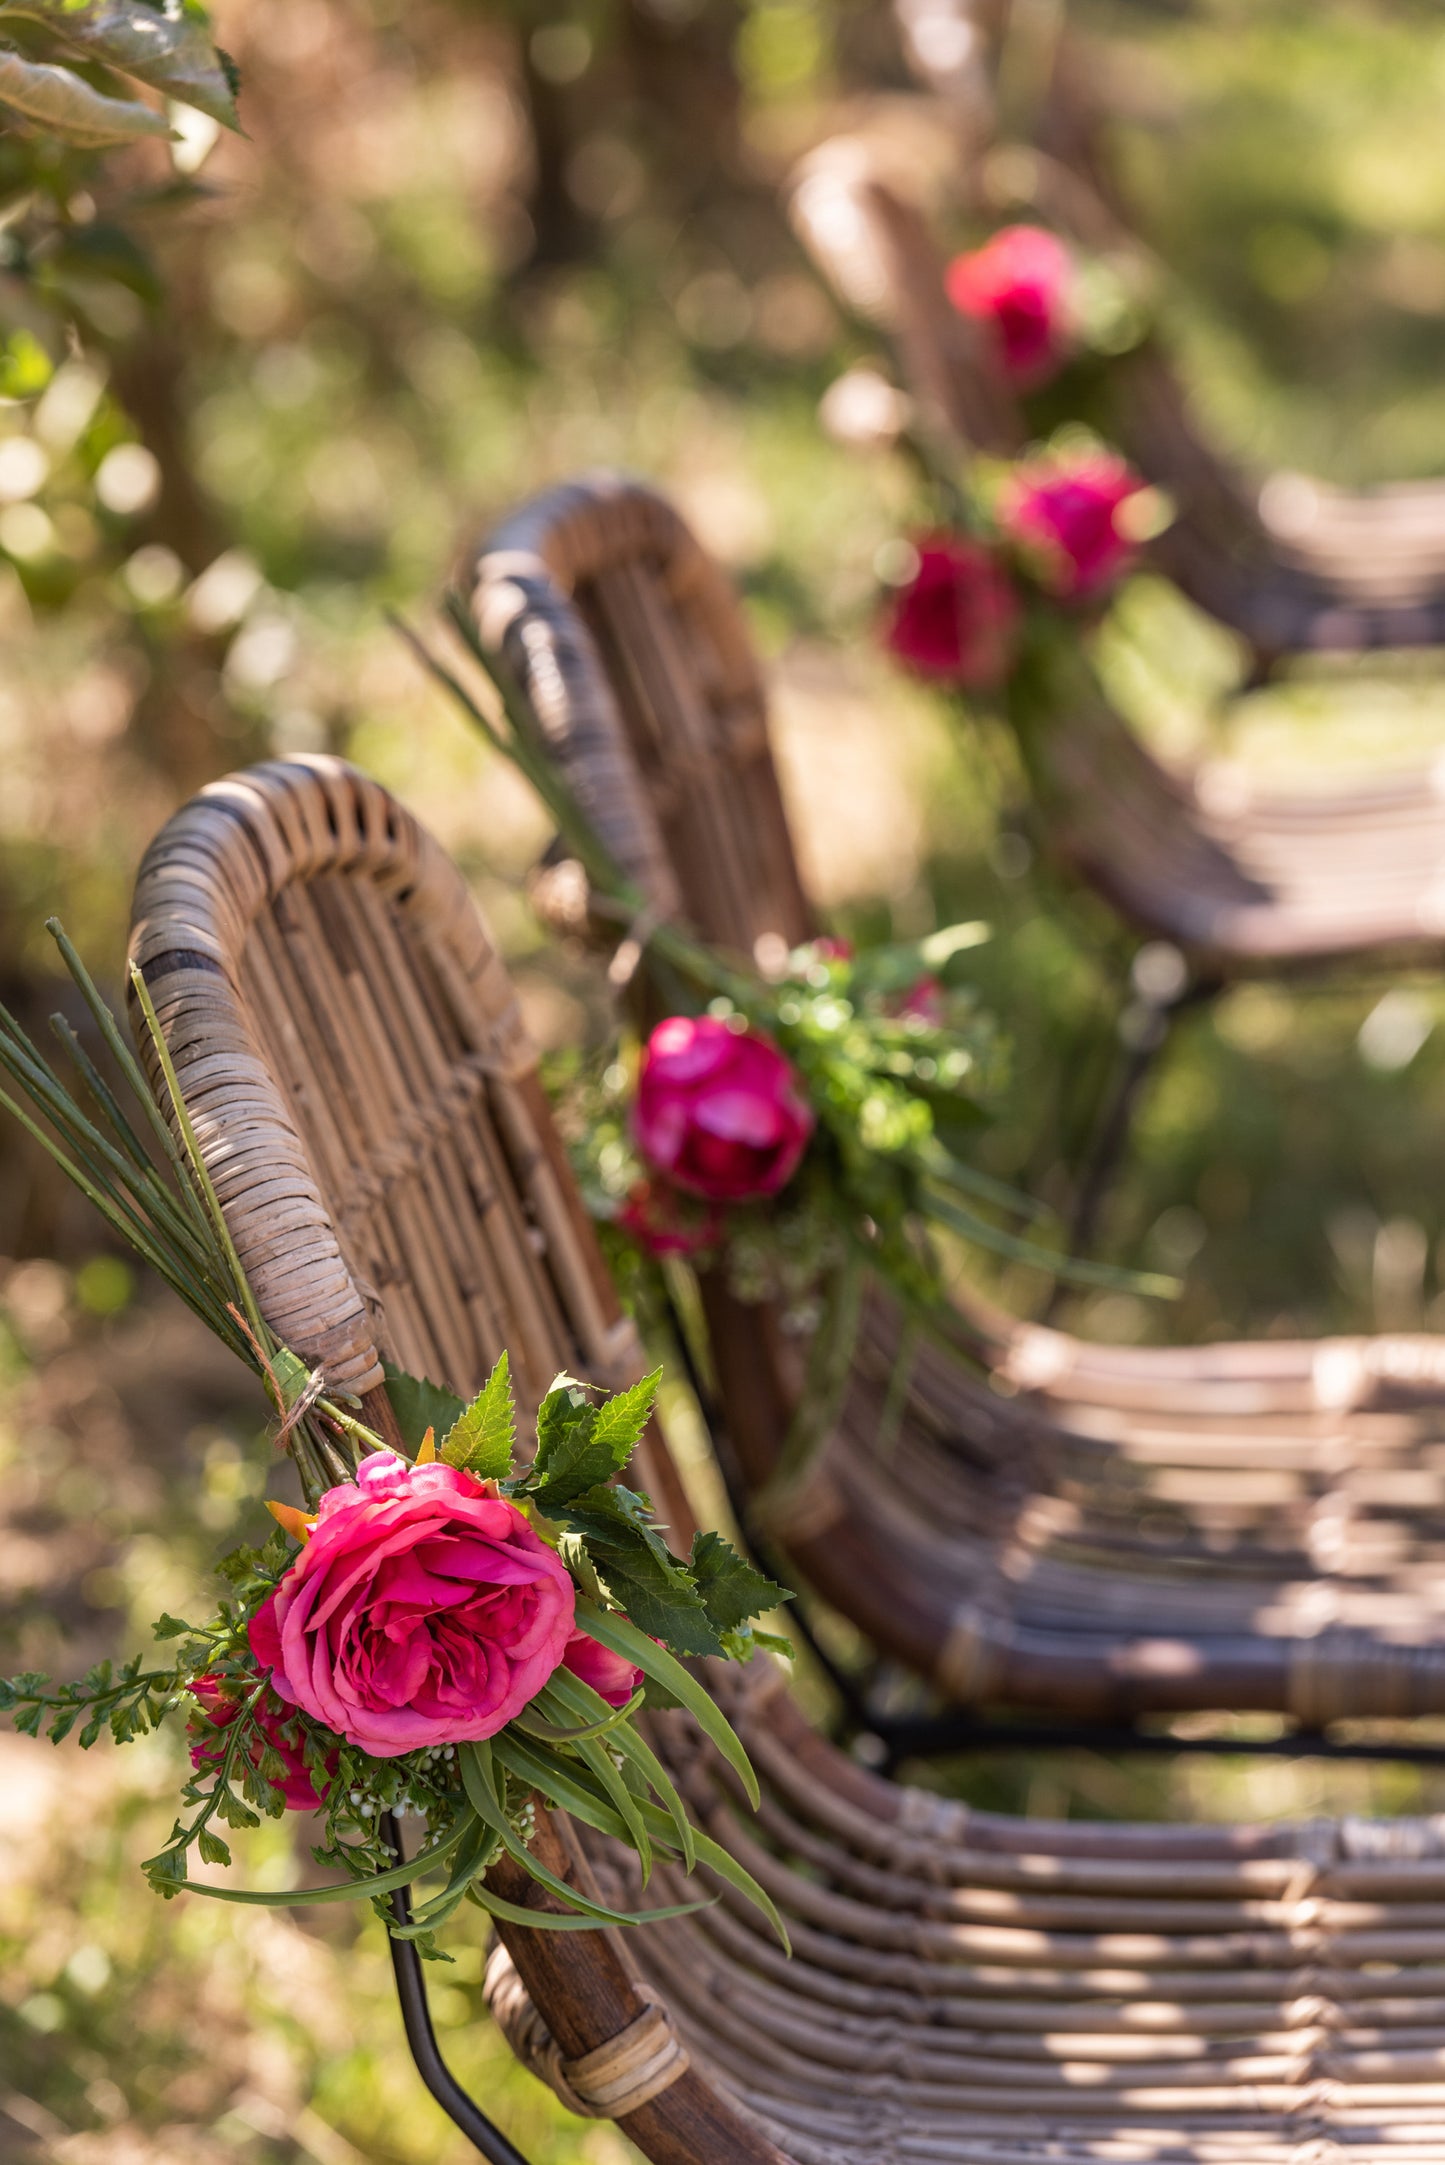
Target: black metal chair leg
410,1976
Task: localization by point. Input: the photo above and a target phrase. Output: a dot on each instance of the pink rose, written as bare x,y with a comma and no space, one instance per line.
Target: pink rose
219,1700
611,1676
664,1221
718,1110
1064,514
423,1610
1021,284
955,619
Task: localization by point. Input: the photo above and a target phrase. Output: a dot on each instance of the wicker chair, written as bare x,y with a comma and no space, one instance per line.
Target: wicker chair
1290,563
1239,880
965,1987
1094,1530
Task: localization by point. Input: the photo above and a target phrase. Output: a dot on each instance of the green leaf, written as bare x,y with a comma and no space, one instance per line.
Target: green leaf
621,1420
63,104
483,1438
732,1591
169,1627
624,1638
638,1571
213,1849
568,1461
725,1864
641,1756
419,1405
165,43
351,1890
166,1871
475,1763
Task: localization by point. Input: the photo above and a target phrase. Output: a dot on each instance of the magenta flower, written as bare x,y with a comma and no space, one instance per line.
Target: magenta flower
1021,284
612,1676
719,1110
1064,515
955,620
423,1610
219,1700
664,1221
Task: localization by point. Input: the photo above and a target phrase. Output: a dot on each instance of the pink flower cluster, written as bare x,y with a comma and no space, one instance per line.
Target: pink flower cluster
1021,284
956,621
423,1610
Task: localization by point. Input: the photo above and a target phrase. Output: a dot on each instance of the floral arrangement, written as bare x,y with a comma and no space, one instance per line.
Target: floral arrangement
452,1634
798,1127
1018,557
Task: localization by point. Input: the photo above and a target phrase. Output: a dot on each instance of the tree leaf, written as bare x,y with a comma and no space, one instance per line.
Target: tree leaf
64,104
483,1437
167,45
732,1591
621,1420
420,1405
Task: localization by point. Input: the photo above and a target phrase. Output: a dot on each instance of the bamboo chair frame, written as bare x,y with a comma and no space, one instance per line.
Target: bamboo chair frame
965,1987
1100,1532
1290,563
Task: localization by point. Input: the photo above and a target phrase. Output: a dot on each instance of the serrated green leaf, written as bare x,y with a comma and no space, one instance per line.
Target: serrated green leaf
62,103
732,1591
638,1571
420,1405
169,1627
567,1462
621,1420
28,1721
63,1723
213,1849
483,1437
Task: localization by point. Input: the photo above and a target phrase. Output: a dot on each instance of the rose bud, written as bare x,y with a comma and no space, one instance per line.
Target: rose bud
219,1700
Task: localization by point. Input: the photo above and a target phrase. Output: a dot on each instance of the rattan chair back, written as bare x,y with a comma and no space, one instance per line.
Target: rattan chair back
1056,1524
965,1987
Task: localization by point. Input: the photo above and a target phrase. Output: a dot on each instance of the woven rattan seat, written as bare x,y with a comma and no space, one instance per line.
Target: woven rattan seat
1102,1530
966,1987
1290,563
1240,878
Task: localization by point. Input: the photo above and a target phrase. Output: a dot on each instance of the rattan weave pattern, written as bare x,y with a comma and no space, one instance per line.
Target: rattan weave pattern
966,1987
1058,1525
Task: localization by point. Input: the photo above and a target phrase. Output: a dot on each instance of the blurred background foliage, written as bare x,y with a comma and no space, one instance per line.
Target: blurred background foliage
255,391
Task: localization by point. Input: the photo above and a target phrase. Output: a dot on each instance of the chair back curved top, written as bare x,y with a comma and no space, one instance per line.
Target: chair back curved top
965,1986
1069,1529
706,832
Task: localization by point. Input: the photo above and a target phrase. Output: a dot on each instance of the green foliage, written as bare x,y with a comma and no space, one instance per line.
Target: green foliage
420,1405
164,45
484,1436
